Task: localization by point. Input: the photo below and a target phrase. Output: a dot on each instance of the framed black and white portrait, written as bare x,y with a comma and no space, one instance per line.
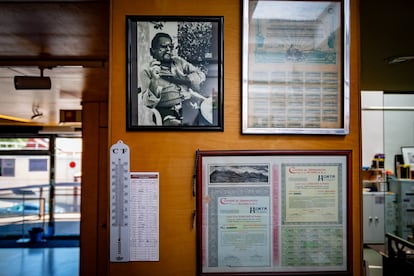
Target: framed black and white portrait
174,73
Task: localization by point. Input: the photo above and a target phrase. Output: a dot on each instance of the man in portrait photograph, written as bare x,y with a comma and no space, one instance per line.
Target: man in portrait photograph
173,74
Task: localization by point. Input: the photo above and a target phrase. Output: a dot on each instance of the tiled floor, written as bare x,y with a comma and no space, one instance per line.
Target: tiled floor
60,261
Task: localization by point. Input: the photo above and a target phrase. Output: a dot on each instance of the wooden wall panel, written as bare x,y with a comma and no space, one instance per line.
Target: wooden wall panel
172,153
102,254
89,200
94,258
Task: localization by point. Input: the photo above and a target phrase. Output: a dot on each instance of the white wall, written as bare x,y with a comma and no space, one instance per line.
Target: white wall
372,125
387,125
398,124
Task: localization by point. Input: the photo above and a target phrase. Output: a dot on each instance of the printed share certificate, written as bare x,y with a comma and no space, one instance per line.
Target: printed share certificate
312,219
311,193
293,68
274,214
243,231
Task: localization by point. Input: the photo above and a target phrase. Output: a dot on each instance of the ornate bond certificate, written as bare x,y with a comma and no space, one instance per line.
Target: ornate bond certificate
311,192
285,212
293,70
312,215
244,231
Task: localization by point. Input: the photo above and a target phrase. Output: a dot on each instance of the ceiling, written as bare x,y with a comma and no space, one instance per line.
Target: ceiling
69,40
386,29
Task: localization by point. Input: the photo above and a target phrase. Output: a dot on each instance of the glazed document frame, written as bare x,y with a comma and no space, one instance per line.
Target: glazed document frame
295,67
273,212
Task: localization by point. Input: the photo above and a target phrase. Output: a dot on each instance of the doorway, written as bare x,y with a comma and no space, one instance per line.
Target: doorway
40,191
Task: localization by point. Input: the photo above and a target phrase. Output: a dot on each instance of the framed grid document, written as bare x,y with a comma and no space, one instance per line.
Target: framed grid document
295,63
270,212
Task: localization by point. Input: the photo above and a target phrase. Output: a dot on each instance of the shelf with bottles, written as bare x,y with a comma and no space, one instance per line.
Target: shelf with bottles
374,177
374,180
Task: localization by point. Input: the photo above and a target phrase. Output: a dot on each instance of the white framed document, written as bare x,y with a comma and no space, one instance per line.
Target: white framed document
295,67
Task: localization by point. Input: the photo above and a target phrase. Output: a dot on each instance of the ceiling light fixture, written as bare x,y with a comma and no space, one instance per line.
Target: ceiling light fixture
66,131
399,59
32,82
53,62
12,119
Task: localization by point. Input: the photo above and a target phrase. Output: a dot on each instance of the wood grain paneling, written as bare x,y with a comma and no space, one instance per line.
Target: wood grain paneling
172,153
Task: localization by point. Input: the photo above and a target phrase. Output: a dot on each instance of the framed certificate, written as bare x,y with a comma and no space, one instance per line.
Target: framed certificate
295,67
408,156
270,212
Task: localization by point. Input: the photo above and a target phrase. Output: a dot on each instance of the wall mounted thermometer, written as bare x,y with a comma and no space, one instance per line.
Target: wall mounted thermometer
119,202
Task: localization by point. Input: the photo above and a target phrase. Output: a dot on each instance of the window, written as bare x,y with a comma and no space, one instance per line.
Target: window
38,165
7,167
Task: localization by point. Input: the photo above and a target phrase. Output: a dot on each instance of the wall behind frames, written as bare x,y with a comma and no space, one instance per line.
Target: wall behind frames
172,153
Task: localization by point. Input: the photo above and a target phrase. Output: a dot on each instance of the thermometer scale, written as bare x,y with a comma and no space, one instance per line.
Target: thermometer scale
119,202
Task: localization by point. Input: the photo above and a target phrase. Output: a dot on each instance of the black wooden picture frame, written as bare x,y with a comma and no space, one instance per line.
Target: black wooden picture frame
175,83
